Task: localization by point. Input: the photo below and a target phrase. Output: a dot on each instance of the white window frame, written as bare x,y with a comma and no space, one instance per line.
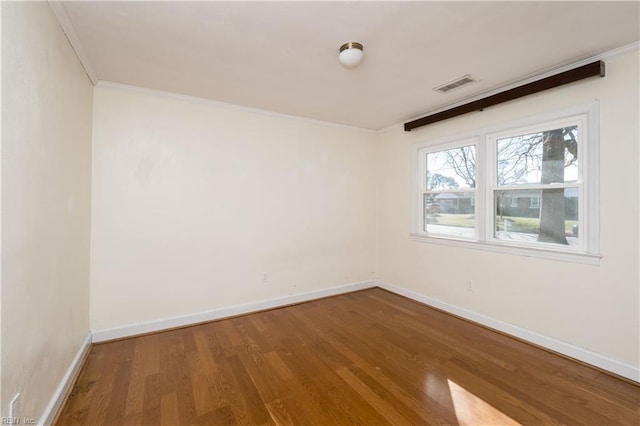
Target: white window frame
535,205
588,252
422,170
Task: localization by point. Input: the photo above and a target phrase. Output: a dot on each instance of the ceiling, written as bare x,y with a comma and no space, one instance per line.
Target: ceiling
282,56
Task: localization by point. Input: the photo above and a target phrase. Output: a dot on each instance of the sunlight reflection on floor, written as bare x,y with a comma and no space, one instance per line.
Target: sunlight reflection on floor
471,410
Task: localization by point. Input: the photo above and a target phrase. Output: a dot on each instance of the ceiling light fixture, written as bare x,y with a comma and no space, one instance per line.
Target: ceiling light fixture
351,54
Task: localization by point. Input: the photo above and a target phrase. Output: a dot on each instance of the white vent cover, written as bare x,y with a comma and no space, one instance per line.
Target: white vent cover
459,82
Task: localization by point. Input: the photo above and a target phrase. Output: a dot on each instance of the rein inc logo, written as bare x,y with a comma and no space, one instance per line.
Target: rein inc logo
17,421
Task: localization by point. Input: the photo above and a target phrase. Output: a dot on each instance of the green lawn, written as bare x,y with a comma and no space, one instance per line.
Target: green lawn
530,225
460,220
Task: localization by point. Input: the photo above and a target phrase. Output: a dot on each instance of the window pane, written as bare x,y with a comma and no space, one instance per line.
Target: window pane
450,213
543,157
534,215
452,169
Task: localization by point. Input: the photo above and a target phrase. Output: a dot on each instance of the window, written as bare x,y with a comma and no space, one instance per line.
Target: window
449,191
528,188
534,202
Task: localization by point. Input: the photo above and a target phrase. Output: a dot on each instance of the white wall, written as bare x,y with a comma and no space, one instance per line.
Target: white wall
193,201
46,159
590,307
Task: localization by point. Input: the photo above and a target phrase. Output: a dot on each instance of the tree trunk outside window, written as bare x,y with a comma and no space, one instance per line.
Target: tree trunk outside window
552,204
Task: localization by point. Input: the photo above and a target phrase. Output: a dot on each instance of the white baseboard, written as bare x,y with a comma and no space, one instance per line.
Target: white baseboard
558,346
185,320
69,377
584,355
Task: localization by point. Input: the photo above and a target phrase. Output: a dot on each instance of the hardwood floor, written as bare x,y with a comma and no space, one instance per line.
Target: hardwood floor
367,358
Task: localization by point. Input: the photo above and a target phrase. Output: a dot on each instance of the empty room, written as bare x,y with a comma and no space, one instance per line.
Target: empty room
296,213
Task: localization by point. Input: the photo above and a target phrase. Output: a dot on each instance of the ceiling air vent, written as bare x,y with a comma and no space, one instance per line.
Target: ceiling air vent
465,79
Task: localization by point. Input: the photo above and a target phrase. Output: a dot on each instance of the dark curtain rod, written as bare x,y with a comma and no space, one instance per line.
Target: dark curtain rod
579,73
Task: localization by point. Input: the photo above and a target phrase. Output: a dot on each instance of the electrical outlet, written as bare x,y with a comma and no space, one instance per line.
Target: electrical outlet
13,406
469,285
265,277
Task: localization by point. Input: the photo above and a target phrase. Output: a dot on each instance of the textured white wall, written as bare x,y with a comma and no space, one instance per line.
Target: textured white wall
46,160
591,307
194,201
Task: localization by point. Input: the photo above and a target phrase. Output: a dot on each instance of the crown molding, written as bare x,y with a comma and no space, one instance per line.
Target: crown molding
60,13
227,105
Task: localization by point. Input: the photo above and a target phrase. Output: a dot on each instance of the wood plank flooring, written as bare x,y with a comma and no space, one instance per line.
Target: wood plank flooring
366,358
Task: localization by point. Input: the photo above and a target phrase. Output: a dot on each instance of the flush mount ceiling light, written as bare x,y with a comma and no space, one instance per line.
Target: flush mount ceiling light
351,54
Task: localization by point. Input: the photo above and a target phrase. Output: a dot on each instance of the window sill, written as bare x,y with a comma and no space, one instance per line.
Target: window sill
543,253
